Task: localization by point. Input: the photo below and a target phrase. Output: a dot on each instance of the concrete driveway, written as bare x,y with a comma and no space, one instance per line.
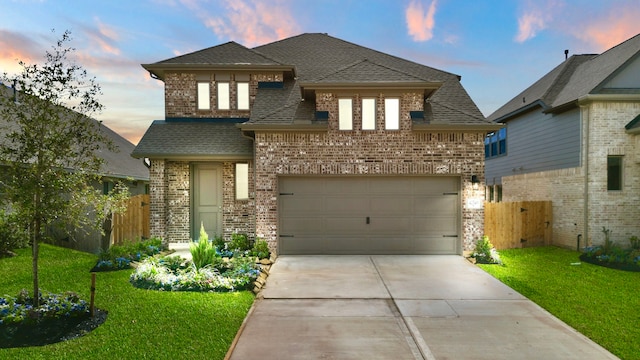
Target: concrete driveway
399,307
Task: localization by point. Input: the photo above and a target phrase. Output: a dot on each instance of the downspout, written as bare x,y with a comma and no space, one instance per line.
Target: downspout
586,173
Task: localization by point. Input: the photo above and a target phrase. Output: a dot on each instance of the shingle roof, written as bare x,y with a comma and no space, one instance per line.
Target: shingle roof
320,58
577,76
230,53
198,138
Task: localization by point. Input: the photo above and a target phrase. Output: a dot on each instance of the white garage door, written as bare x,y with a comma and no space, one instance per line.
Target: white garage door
369,215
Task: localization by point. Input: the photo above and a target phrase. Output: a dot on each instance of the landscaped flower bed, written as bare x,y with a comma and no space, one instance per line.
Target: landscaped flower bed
58,317
119,257
612,255
215,266
236,273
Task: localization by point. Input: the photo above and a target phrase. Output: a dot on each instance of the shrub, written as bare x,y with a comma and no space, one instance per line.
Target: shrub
12,235
203,252
484,252
634,242
239,242
261,249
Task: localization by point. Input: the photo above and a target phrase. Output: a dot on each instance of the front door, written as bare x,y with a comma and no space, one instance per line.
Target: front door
207,200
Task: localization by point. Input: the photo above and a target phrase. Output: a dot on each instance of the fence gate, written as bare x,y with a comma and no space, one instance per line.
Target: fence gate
518,224
133,223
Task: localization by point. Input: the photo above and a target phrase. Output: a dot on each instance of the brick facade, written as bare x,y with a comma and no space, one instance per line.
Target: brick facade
181,94
171,202
377,152
603,125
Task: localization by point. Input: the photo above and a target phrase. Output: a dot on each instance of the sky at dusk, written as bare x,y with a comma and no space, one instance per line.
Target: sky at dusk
498,47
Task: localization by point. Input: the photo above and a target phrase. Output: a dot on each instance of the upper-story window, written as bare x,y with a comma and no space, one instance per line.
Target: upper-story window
495,144
345,114
368,114
204,98
243,95
614,173
223,96
392,114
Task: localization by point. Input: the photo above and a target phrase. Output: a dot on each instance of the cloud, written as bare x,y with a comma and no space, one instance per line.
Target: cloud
536,16
15,47
420,24
605,30
103,35
254,22
528,26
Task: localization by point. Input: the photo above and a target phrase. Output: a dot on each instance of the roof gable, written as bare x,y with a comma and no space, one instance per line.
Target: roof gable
230,53
576,77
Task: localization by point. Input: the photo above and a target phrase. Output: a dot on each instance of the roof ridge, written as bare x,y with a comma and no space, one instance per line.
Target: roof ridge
563,77
205,50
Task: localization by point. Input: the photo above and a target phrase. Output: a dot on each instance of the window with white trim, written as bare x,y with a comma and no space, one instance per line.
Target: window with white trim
243,95
368,114
345,114
204,98
223,96
392,114
242,181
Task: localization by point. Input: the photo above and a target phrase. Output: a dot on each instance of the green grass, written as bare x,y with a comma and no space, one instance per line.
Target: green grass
601,303
141,324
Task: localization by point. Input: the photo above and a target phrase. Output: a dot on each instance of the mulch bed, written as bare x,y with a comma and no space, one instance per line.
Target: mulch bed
49,331
611,265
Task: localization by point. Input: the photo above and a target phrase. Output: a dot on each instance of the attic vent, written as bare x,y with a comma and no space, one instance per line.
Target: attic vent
322,115
270,85
416,115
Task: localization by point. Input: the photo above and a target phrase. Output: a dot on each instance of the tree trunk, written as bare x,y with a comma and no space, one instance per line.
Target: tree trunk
34,251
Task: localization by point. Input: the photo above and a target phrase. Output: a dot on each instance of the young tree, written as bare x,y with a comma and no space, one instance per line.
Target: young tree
52,145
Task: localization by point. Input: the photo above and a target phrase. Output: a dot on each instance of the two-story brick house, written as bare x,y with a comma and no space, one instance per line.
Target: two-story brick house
318,146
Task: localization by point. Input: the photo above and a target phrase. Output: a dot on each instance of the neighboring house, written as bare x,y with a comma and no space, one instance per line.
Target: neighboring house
318,146
118,166
572,138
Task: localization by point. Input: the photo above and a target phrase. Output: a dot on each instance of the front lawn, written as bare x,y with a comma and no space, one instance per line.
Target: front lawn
601,303
141,324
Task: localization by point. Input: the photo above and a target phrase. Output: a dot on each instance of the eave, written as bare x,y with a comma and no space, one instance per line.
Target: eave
458,127
157,71
194,157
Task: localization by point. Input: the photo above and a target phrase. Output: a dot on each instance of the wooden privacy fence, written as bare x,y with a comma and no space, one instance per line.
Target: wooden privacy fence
134,222
518,224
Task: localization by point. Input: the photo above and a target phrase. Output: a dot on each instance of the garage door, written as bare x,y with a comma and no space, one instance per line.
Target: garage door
369,215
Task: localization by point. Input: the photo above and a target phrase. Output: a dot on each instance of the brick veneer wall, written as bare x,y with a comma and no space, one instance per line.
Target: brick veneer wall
616,210
180,92
238,215
377,152
171,202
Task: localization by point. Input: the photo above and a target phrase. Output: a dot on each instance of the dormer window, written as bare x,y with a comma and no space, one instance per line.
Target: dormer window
204,98
368,114
345,114
392,114
243,95
223,96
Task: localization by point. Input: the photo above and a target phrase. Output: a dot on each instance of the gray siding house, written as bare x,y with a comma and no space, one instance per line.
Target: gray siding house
571,138
318,146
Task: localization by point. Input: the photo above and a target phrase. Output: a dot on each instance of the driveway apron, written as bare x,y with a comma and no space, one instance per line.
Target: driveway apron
399,307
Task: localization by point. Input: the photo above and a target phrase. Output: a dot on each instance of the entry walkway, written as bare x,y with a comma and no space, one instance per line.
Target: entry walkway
399,307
